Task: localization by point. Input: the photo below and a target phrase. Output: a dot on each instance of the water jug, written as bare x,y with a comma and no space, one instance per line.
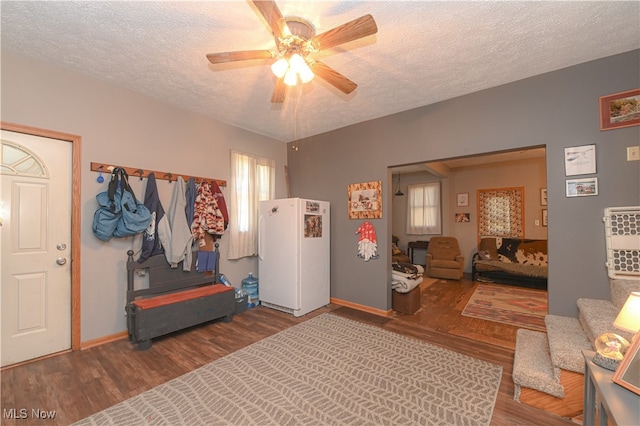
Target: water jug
250,284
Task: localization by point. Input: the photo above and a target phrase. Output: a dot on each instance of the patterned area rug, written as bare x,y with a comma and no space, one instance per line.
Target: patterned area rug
522,307
327,370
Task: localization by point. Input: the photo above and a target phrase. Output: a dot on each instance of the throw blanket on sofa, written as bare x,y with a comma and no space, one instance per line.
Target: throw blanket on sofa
513,250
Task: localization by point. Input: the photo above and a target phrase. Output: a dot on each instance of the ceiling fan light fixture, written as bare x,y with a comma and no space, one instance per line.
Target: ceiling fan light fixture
300,66
290,77
280,67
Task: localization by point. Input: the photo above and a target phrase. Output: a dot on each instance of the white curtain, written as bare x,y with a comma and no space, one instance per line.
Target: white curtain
423,209
252,180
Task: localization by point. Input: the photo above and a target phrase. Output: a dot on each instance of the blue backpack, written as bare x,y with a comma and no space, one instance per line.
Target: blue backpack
119,214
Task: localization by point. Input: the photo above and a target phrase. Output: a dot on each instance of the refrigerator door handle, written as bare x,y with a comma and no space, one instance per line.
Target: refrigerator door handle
260,219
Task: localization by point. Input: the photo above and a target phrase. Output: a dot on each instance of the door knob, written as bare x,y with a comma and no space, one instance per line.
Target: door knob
61,246
61,261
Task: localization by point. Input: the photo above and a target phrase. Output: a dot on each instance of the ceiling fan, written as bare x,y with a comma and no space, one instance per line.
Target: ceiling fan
295,40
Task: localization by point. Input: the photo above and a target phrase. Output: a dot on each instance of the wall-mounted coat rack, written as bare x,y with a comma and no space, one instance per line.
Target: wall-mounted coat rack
143,173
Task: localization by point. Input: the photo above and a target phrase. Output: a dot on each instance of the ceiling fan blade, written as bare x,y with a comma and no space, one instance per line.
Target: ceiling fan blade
353,30
243,55
333,77
279,91
271,13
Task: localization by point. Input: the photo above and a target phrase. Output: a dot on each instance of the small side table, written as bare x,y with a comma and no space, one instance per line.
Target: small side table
615,403
416,245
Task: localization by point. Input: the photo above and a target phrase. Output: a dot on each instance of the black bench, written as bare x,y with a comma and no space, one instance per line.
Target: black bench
174,300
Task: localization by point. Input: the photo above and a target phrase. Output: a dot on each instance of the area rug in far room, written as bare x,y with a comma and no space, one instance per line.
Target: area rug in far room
328,370
521,307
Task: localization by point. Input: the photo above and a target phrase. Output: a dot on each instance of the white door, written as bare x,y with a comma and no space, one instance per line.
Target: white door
35,250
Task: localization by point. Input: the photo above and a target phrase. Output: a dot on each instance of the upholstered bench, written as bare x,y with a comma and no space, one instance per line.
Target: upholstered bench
173,300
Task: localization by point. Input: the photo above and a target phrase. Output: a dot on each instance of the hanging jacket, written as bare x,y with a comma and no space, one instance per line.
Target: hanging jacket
191,200
222,205
207,217
181,237
155,239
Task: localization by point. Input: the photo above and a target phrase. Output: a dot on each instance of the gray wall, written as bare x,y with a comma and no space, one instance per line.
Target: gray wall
121,127
558,110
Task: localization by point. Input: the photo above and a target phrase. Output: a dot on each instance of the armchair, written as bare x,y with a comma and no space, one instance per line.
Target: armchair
444,259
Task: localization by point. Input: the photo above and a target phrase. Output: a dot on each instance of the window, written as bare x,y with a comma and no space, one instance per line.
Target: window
500,212
423,209
252,180
18,160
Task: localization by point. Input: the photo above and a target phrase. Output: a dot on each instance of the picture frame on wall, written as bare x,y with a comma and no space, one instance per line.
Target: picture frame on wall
580,160
620,110
463,217
365,200
462,199
543,196
545,218
582,187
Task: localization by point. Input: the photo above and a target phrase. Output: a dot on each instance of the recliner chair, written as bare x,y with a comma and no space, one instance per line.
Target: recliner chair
444,259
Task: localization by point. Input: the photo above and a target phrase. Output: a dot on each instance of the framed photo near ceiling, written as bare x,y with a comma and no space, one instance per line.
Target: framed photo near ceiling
582,187
620,110
365,200
580,160
543,196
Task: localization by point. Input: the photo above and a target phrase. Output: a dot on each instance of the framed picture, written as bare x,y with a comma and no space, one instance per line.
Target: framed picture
580,160
463,199
545,218
365,200
620,110
627,374
582,187
543,196
463,217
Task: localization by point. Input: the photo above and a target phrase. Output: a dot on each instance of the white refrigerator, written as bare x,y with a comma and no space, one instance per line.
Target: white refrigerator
293,255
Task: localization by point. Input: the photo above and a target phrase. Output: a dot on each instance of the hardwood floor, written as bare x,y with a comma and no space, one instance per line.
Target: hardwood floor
77,384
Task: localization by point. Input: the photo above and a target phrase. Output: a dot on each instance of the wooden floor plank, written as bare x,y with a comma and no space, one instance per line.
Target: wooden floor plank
78,384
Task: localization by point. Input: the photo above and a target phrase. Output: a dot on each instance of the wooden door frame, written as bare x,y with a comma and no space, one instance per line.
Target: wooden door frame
76,146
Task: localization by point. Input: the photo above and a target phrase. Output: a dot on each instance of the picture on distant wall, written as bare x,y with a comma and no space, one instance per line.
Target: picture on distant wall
582,187
462,199
543,196
463,217
580,160
620,110
545,218
365,200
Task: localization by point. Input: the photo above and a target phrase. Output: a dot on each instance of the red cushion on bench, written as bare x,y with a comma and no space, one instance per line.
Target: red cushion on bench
181,296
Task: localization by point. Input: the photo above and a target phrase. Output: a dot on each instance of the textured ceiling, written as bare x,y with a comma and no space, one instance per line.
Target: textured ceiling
424,52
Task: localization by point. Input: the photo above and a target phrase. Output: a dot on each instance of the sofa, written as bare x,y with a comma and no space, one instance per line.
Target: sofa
511,261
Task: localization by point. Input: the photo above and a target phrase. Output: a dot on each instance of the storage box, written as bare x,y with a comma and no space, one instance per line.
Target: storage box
406,303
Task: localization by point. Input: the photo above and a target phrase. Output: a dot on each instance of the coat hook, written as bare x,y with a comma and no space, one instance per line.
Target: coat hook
169,175
139,172
100,179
